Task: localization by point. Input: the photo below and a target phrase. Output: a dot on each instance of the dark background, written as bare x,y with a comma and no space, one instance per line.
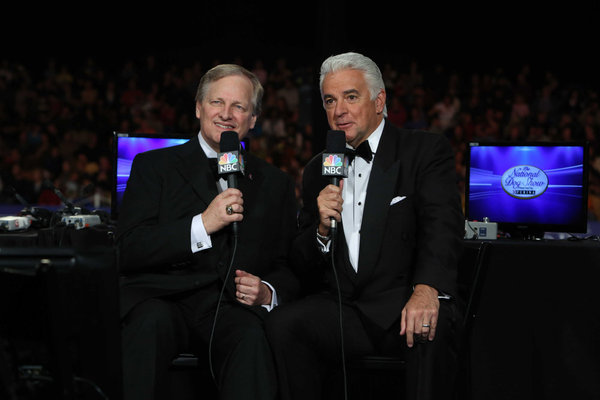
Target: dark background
496,39
563,37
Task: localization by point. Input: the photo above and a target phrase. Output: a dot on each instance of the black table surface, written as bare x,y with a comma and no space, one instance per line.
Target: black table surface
535,321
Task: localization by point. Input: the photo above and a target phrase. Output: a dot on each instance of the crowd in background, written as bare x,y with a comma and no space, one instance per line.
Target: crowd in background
57,119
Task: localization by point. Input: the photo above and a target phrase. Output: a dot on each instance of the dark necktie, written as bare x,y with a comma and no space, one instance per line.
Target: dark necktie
212,163
363,150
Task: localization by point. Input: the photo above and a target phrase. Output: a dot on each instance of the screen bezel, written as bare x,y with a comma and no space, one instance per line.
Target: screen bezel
518,229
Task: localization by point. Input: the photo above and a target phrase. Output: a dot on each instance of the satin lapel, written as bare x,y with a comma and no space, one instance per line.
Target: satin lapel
193,166
380,191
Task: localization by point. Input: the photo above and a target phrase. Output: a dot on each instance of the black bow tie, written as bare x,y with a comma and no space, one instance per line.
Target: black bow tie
363,150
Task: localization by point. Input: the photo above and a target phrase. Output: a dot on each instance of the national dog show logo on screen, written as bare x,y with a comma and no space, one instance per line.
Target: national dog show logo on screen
524,182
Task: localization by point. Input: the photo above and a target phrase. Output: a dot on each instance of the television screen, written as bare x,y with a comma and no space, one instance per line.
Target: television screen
125,148
528,187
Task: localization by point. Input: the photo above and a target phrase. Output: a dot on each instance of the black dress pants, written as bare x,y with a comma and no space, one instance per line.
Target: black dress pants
157,330
306,344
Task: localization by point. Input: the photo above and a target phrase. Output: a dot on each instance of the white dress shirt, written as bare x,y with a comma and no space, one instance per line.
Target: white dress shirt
354,194
200,240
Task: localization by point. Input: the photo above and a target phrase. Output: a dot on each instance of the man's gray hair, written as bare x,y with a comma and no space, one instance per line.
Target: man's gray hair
359,62
223,70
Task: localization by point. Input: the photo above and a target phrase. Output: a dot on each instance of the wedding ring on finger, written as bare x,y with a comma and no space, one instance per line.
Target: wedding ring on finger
229,209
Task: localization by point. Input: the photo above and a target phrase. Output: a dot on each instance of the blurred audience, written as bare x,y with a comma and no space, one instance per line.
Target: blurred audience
56,121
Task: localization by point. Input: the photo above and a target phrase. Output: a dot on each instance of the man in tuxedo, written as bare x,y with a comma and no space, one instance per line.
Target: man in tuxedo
178,254
399,230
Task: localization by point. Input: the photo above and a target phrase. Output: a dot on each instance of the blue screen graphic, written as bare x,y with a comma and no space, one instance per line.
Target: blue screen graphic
527,184
127,148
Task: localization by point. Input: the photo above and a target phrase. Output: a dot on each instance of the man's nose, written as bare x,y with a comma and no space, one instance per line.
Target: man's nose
340,108
225,112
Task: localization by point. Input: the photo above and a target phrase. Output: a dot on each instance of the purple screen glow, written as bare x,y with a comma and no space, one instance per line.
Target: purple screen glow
127,148
527,184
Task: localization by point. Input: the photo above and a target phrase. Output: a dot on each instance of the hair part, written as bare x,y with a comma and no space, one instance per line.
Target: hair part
358,62
224,70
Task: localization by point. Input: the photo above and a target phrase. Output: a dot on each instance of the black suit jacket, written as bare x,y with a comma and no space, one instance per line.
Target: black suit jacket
417,239
166,189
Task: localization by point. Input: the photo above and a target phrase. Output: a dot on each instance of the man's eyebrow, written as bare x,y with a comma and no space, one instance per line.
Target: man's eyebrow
345,92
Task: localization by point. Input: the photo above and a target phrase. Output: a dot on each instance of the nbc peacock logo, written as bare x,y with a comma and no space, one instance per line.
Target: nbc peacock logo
332,161
228,158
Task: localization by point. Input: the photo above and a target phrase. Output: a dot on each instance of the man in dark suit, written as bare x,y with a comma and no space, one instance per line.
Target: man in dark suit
177,248
395,252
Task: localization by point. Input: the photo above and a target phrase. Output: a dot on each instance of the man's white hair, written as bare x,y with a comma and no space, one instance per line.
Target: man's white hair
359,62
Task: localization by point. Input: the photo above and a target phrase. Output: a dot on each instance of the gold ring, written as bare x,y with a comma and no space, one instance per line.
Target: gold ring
229,209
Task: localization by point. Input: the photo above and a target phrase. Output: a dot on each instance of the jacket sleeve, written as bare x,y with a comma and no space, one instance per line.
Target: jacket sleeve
146,241
439,216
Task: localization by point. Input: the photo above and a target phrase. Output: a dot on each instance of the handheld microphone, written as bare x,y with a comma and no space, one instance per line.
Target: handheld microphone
230,162
334,164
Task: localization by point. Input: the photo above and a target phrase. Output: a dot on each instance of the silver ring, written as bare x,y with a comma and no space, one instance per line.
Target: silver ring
425,325
229,209
243,297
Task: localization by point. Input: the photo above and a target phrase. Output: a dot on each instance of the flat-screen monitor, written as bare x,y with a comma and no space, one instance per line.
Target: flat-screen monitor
125,147
528,188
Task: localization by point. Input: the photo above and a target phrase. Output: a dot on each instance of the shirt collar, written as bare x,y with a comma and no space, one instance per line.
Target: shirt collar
210,153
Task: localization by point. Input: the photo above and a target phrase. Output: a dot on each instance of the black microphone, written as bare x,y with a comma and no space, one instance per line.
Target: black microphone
230,162
70,208
40,217
19,198
334,164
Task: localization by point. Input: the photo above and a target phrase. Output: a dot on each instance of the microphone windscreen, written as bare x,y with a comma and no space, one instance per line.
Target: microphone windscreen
229,141
336,142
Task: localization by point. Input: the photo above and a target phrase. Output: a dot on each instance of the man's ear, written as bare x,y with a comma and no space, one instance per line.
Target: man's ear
198,109
380,101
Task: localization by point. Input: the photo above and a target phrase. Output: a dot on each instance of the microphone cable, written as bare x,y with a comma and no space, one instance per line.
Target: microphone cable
339,293
212,331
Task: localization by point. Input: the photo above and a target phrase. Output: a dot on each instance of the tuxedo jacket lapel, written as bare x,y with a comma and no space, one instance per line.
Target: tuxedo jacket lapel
194,167
380,191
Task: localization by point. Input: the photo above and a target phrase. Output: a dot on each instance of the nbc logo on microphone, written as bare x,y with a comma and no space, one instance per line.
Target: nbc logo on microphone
332,165
228,158
332,160
229,162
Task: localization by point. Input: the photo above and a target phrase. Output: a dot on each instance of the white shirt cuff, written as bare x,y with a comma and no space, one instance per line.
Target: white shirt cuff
200,240
274,301
324,247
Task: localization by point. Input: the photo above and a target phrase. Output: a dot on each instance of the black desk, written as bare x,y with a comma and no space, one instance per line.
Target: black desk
60,236
59,313
536,326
